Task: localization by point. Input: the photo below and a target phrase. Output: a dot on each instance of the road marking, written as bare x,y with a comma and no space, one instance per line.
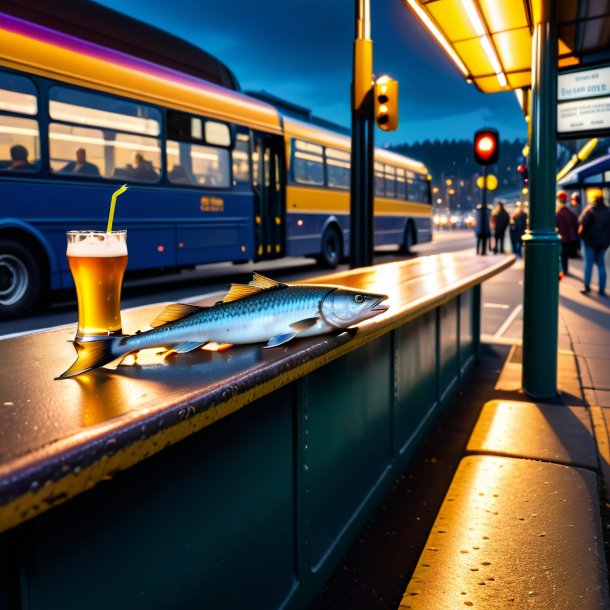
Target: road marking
511,318
496,306
493,340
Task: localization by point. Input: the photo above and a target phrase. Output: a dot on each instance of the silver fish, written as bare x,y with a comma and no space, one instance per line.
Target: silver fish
263,310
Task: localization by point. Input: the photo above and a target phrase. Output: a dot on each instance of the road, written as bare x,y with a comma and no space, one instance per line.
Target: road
501,295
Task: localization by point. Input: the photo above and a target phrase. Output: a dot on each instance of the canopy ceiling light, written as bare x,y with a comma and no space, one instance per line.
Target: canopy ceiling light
490,41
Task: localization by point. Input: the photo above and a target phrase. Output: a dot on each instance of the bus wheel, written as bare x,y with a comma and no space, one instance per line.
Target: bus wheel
20,279
331,251
409,240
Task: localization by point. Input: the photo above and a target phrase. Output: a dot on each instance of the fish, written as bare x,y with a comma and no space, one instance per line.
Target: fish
261,311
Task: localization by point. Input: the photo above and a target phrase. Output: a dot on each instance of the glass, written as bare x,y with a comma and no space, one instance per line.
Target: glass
97,261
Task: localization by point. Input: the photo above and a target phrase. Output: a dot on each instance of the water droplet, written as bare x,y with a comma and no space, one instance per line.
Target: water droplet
486,563
8,403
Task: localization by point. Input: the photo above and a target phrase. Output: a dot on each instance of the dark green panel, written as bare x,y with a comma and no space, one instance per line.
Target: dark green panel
347,441
448,348
208,523
467,346
415,378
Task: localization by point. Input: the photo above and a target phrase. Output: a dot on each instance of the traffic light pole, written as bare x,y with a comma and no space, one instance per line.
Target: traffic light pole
363,144
541,243
484,236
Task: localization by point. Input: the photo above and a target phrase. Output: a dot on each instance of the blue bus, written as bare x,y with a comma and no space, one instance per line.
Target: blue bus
210,169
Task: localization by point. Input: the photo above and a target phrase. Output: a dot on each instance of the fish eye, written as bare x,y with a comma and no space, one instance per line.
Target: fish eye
358,298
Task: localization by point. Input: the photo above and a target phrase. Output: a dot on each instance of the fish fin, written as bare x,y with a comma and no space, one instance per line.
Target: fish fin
297,327
90,355
302,325
173,312
279,339
264,283
240,291
187,346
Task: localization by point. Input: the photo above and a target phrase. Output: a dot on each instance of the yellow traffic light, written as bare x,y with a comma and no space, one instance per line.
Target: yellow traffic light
386,103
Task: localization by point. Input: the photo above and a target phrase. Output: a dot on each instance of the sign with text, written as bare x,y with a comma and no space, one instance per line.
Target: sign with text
583,107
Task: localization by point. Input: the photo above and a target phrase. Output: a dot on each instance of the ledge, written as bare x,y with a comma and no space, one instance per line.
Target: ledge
60,438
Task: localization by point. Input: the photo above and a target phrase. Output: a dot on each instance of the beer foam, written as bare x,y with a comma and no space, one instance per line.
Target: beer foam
100,245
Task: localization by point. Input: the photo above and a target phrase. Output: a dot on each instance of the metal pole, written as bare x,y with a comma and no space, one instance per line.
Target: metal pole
484,212
541,243
362,166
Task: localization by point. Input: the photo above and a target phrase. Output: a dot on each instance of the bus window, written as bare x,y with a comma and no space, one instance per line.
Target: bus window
417,187
241,164
390,181
17,94
66,146
401,185
198,165
107,137
19,137
217,134
379,187
338,168
19,144
307,163
84,108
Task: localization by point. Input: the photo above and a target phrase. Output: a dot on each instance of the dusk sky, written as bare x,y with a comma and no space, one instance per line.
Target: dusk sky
302,52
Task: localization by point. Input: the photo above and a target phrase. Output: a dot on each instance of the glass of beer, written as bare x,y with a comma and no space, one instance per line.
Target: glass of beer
97,261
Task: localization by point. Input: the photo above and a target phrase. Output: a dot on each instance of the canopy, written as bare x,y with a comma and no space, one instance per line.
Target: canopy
490,41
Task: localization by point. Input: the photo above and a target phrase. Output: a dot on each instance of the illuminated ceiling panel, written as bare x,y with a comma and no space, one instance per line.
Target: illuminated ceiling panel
490,40
514,49
477,62
449,11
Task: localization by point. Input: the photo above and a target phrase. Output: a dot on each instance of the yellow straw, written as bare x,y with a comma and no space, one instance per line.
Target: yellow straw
112,204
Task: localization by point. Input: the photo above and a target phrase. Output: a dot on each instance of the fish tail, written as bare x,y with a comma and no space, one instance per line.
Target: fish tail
93,354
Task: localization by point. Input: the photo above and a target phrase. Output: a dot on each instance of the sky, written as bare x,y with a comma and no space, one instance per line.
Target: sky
302,52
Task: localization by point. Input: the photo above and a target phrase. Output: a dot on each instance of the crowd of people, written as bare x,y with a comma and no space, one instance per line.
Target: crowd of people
494,223
587,232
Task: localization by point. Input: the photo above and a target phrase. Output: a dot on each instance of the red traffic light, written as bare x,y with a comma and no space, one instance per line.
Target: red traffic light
486,146
522,169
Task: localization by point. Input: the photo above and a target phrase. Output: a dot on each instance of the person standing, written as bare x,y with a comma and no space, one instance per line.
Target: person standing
499,221
595,231
518,224
481,229
567,227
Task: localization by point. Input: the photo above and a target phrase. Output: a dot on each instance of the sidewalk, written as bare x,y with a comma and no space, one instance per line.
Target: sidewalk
377,568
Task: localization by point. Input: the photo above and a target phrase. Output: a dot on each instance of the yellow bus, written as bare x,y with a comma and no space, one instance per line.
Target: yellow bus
318,195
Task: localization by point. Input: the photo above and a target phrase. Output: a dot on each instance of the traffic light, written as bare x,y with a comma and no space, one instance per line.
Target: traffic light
386,103
522,169
486,146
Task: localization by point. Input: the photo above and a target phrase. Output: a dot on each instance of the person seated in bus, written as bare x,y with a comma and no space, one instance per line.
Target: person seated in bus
19,158
178,175
81,165
143,170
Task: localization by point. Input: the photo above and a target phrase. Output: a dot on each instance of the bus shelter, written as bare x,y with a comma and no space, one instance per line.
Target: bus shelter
522,45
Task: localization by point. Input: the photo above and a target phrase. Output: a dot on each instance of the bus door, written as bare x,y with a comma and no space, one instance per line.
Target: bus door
268,181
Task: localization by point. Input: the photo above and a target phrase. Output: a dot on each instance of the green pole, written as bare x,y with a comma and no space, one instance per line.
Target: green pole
541,243
363,144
